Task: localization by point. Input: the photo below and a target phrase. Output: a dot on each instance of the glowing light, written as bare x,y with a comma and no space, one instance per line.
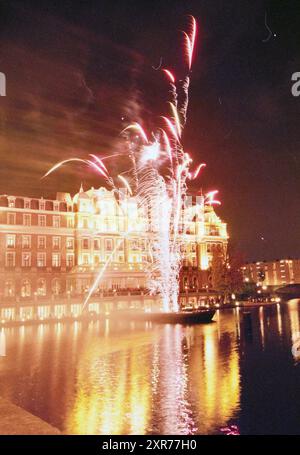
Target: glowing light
171,127
125,183
168,145
190,42
137,127
196,173
151,152
176,118
159,193
99,161
169,75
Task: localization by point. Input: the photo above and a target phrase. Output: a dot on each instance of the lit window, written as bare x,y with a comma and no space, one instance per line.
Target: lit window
85,223
42,205
26,259
55,260
41,259
11,202
26,241
120,244
134,245
41,242
41,287
26,204
10,241
56,243
11,218
70,243
70,260
70,223
85,259
27,219
10,259
56,206
42,220
56,221
108,244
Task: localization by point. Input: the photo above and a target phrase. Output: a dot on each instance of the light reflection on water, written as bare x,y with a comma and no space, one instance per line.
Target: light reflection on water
124,378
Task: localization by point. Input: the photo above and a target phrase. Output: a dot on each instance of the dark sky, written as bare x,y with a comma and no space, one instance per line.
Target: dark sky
74,69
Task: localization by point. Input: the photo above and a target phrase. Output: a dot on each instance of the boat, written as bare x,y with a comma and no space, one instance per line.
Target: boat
201,315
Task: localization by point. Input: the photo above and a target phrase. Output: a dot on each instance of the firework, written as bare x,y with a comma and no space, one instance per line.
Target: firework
159,193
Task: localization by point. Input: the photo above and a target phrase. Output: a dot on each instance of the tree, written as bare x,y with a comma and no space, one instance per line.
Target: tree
226,274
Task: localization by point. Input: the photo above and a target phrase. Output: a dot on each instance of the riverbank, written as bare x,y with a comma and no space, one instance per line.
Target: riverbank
16,421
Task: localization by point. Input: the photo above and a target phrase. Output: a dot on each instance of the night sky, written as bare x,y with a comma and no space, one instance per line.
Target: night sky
75,69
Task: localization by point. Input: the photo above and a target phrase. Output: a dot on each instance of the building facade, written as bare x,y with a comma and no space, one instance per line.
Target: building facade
56,248
273,273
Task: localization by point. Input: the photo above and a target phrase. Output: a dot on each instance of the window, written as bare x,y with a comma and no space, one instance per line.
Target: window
85,259
70,260
56,206
11,202
96,260
41,242
27,219
11,218
25,288
55,260
26,259
41,260
42,205
70,243
56,221
42,220
26,204
10,241
120,245
96,244
70,223
41,287
85,244
10,260
85,223
108,244
26,241
9,288
56,286
56,243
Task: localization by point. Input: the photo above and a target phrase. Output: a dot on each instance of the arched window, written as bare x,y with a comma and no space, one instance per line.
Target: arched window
25,288
41,287
9,288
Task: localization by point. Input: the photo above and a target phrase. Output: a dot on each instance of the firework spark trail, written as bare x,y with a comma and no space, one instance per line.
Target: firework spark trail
159,194
172,81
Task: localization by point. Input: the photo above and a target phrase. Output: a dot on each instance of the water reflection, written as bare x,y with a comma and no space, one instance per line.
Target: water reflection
118,378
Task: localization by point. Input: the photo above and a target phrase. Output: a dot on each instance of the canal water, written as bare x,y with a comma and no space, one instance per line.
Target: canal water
122,377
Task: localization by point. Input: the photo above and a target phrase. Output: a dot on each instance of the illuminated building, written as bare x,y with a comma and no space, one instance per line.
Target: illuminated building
273,273
55,248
